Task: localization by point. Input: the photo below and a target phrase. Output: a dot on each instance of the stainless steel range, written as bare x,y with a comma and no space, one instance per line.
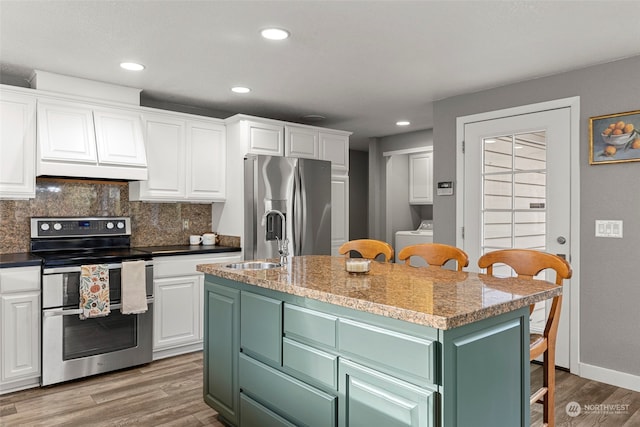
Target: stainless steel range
72,346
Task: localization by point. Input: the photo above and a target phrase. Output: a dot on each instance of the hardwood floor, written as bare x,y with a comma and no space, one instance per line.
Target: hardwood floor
168,392
592,394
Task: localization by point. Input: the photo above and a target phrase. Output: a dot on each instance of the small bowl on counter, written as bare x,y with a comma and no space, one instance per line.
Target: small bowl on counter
357,265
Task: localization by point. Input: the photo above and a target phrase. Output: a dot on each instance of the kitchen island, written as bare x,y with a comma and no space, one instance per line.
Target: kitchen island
310,344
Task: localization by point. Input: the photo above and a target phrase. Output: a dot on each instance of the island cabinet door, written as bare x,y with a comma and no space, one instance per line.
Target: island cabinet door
486,372
261,332
371,398
222,338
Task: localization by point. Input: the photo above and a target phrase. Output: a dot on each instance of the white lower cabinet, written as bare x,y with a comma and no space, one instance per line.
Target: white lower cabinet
178,306
19,328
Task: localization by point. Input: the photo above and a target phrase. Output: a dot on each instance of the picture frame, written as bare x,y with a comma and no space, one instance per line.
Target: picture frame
614,138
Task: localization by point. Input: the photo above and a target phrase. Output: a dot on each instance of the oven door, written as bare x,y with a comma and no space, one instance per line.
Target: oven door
74,348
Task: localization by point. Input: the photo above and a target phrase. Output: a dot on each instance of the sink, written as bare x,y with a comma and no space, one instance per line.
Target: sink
253,265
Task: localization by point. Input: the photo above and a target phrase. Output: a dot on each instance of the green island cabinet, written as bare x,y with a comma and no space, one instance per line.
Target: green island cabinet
276,359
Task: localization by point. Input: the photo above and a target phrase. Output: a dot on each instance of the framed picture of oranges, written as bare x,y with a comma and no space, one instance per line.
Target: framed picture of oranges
614,138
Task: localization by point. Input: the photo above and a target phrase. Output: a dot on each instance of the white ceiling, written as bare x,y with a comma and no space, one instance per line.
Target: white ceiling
361,64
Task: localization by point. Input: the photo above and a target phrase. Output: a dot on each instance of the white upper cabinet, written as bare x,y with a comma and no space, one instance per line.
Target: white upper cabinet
301,142
66,132
84,140
17,145
339,212
186,159
166,147
206,161
421,178
335,148
119,137
264,138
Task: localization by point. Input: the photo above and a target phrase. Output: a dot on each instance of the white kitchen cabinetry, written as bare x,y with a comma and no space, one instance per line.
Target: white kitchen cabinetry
186,159
335,148
86,140
301,142
178,306
421,178
19,328
264,138
254,135
17,144
206,160
339,212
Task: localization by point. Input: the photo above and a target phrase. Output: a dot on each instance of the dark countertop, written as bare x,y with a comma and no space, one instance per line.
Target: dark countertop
187,250
21,259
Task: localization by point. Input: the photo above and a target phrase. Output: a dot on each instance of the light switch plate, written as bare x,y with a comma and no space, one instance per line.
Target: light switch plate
609,228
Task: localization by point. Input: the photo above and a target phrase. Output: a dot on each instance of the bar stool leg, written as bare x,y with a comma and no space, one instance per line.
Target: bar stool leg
549,380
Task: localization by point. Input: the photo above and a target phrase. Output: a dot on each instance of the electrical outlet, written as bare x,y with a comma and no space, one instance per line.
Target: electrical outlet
185,224
608,228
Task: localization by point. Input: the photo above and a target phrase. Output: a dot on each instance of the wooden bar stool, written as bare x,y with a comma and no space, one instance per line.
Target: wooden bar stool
435,254
527,263
368,248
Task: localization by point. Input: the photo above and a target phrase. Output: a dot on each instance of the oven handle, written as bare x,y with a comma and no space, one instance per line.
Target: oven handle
77,268
52,312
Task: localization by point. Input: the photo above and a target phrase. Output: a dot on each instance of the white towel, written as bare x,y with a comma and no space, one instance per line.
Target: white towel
133,283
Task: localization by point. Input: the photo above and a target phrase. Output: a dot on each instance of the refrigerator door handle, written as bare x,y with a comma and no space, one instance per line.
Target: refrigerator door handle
297,228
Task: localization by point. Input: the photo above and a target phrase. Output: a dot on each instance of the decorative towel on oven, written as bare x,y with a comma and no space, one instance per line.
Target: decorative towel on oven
94,291
134,290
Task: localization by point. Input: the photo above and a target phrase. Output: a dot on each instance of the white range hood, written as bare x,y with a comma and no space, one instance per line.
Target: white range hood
82,134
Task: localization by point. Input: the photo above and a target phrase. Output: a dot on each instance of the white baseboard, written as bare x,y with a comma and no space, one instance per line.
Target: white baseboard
176,351
609,376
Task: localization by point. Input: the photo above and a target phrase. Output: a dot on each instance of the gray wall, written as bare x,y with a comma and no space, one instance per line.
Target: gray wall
378,176
358,195
609,288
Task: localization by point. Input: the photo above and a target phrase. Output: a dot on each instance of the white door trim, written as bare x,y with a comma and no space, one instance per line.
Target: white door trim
574,105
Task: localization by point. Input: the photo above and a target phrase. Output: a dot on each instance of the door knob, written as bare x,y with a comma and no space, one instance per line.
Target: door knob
561,240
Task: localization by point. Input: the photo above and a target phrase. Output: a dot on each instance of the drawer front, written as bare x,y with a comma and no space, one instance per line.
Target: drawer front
371,398
310,326
261,327
298,401
404,356
310,362
256,415
185,265
19,279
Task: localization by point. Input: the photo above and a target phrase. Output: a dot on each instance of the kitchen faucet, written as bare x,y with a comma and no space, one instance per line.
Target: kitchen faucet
283,245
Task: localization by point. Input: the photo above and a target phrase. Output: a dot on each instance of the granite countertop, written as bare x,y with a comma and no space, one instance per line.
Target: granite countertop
187,249
21,259
442,299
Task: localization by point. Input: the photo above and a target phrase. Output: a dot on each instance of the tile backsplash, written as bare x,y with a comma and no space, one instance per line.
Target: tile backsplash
152,224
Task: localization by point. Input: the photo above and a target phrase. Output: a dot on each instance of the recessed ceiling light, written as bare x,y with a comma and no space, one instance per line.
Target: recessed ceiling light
489,141
240,89
313,117
274,33
132,66
403,123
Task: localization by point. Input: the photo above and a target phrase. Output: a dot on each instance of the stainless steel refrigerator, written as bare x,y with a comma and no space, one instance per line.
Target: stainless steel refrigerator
290,198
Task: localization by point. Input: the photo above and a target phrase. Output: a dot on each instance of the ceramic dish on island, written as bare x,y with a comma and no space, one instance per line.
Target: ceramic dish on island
357,265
